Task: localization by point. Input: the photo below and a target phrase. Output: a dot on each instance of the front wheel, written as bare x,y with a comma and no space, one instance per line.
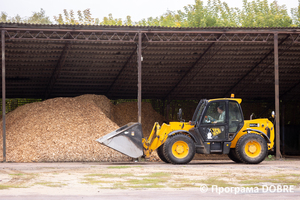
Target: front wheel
251,148
232,155
160,153
179,149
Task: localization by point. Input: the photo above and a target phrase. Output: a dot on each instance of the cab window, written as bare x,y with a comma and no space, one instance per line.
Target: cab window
215,113
235,116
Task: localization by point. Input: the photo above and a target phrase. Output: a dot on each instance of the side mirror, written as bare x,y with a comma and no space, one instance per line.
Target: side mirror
251,116
179,114
273,114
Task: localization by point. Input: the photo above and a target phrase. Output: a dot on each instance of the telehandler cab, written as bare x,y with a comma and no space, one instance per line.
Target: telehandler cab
217,127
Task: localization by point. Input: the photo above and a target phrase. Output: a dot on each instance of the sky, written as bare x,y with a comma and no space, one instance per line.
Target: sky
137,9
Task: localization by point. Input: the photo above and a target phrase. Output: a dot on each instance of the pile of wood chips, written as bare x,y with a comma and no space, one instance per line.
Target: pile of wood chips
65,129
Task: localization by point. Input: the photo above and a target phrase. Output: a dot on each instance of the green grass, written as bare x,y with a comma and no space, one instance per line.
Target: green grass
226,173
296,175
18,180
153,180
121,167
19,174
158,174
216,181
94,181
270,158
118,186
147,186
110,175
51,184
147,181
137,184
183,183
166,179
7,186
286,179
3,187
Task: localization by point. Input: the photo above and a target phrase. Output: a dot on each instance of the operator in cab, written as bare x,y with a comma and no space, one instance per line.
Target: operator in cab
221,112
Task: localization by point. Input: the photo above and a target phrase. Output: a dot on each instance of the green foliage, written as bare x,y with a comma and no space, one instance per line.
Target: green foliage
36,18
112,21
260,14
12,104
3,17
83,17
255,13
296,14
218,14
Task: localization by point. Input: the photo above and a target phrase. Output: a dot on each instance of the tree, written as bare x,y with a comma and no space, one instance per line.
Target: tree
215,13
296,15
255,13
113,21
83,17
168,19
17,19
128,21
3,17
259,14
38,18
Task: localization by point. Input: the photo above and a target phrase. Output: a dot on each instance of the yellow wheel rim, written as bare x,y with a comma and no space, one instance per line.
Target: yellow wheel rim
180,149
252,149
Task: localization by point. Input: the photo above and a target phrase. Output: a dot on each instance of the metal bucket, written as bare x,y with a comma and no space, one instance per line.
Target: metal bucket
127,140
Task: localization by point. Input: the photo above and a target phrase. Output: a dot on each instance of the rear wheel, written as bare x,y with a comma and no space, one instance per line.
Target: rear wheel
251,148
179,149
232,155
160,153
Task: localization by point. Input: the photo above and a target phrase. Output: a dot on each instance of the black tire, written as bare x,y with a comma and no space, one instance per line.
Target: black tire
232,155
257,154
160,153
185,145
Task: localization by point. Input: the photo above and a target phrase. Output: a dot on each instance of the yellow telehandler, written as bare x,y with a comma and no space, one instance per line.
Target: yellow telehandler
217,127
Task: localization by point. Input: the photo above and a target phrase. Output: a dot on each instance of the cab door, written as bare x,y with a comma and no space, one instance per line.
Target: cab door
235,119
214,122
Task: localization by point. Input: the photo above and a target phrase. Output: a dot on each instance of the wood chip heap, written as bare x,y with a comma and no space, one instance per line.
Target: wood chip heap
65,129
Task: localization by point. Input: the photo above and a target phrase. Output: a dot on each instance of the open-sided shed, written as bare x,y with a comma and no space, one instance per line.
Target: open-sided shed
46,61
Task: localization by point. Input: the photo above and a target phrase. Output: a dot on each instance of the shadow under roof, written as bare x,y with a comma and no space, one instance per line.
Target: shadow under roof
46,61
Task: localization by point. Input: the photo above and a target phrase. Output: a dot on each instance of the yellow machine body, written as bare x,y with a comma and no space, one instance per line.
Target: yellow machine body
159,135
264,125
249,143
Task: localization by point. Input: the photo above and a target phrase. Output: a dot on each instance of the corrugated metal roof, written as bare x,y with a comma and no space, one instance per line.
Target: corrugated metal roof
177,64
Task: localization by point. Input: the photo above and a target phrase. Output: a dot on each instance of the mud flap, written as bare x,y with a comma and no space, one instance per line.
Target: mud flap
126,140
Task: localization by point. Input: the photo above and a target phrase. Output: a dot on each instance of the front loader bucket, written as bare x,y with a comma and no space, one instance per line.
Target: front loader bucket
127,140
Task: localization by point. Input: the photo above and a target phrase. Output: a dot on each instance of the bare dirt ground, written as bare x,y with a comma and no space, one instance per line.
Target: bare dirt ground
91,180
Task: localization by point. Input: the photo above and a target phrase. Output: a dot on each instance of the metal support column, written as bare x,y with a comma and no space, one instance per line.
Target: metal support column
139,61
282,128
3,94
277,119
